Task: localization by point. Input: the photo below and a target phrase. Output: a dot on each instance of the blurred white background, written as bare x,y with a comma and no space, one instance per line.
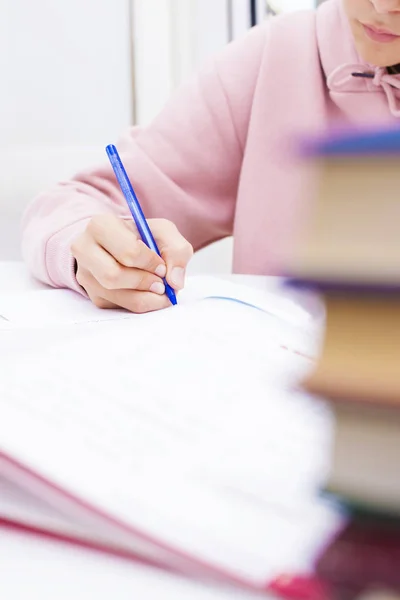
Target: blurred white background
75,73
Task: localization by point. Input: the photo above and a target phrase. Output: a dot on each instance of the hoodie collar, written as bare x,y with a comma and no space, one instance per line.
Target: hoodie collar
345,71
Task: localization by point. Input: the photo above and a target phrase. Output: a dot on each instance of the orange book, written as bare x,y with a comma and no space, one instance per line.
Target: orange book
361,348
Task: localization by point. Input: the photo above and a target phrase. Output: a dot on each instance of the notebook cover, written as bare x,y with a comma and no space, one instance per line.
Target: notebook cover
288,586
78,542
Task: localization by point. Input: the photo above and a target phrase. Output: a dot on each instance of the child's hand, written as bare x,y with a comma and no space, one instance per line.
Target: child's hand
117,269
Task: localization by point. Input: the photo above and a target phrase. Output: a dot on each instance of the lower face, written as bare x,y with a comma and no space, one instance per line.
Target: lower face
376,34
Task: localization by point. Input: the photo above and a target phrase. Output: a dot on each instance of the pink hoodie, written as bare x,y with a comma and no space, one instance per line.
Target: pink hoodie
216,161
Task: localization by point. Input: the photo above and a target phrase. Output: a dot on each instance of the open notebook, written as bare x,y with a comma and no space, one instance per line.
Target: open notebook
177,437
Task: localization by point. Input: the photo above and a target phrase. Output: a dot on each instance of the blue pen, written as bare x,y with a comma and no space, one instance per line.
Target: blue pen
136,210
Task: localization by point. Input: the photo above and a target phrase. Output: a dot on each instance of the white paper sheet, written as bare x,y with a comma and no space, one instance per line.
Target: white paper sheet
183,425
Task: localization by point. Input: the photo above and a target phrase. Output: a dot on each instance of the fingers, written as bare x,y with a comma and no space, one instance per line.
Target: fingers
175,250
117,269
138,302
109,273
132,300
120,239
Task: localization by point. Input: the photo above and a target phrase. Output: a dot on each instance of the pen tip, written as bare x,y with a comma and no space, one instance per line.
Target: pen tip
172,297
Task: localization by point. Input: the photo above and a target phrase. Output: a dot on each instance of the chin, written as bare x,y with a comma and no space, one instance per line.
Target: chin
377,57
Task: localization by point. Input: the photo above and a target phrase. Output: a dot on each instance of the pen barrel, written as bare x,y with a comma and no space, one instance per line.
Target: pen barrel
136,210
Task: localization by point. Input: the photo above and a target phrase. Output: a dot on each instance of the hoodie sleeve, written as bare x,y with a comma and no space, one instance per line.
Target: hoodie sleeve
185,167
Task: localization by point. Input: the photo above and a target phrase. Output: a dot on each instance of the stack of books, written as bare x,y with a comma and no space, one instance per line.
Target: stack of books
350,252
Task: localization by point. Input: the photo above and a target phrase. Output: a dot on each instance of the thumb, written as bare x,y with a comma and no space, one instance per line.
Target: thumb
174,249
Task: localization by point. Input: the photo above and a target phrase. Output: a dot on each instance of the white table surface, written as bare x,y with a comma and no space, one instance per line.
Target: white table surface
34,568
14,277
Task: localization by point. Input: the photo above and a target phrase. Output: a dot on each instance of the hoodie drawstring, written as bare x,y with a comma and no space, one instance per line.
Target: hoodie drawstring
379,76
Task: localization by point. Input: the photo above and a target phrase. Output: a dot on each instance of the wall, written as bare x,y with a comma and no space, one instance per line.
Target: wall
66,91
167,50
170,46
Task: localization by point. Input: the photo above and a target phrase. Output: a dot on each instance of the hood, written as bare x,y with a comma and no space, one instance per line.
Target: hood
361,92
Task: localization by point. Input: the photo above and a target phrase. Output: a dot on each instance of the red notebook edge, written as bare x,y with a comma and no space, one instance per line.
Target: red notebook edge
286,586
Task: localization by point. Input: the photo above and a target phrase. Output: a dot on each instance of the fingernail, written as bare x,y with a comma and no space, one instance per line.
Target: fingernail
158,288
161,271
178,277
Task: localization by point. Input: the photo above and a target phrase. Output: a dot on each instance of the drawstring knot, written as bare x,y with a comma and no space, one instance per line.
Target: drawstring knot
379,77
